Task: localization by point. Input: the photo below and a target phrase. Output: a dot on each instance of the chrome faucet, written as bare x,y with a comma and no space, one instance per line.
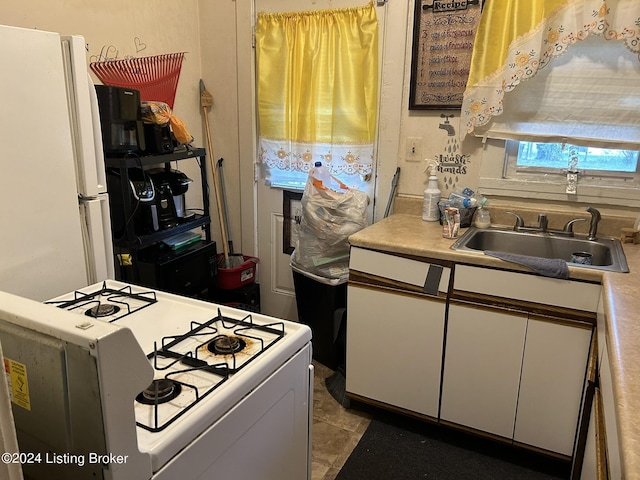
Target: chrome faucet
568,228
543,223
593,227
519,222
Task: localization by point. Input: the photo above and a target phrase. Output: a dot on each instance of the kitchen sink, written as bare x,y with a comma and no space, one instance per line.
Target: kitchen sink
606,252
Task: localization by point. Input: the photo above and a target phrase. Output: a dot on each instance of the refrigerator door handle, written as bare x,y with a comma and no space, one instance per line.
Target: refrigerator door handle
101,173
97,241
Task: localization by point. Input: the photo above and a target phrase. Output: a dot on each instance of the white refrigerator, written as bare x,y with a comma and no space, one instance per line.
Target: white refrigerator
55,234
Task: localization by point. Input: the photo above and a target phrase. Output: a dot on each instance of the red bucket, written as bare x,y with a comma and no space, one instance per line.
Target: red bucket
236,277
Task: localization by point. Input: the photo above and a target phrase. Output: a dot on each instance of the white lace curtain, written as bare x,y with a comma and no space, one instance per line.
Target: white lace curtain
556,70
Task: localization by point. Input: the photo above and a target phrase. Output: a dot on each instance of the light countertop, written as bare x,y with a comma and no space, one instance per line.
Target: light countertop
408,234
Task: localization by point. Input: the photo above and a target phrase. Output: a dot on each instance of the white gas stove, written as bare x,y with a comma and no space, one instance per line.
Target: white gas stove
208,391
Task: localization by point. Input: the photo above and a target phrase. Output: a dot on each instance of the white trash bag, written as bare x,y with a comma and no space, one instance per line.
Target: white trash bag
328,219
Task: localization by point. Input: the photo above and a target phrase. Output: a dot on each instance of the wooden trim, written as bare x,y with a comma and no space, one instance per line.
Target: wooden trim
504,440
585,413
464,302
391,408
602,462
542,451
562,319
366,280
477,433
455,426
551,313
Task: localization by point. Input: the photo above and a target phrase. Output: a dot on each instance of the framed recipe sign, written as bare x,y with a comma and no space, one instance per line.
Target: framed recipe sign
443,35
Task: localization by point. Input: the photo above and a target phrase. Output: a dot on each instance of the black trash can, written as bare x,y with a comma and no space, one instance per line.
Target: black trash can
323,308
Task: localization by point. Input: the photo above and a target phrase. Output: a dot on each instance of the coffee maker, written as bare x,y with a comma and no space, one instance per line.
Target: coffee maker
142,196
120,119
175,184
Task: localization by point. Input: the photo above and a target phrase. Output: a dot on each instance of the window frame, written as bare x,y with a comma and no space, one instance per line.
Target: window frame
497,180
512,169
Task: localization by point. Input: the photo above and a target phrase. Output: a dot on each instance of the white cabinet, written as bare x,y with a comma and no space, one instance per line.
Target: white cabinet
517,352
394,348
514,360
554,367
482,368
396,308
515,376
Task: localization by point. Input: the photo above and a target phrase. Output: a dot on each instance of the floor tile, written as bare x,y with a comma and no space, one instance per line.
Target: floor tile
336,430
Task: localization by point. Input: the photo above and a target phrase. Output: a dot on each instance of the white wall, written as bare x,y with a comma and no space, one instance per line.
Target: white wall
118,29
425,125
205,30
217,37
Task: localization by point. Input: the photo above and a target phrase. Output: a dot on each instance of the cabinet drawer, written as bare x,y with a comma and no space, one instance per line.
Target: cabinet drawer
400,269
529,288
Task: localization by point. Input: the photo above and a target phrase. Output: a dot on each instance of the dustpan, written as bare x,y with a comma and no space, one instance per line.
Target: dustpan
156,77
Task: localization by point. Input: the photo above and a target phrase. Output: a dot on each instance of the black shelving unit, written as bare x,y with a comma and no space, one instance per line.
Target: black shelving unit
147,262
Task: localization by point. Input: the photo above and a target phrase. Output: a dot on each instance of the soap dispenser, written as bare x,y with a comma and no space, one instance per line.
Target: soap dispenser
432,194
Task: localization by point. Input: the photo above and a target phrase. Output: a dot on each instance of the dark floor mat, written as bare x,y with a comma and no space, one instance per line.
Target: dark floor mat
400,448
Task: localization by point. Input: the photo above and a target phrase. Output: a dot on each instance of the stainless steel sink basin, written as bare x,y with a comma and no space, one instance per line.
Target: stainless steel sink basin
606,252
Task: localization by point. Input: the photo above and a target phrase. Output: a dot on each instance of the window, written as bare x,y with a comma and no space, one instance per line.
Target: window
557,75
545,171
556,157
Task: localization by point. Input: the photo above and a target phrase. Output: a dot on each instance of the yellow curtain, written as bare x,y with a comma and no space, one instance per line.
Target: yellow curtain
317,90
515,39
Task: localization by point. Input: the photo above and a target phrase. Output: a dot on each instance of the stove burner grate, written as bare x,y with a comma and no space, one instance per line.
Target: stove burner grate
169,387
225,336
161,390
97,304
226,345
102,310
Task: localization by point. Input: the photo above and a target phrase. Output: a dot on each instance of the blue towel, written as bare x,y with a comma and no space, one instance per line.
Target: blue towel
548,267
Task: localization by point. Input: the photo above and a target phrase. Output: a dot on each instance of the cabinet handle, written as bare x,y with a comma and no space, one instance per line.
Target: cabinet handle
432,282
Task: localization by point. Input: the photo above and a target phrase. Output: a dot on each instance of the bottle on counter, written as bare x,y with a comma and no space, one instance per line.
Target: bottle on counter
431,197
482,219
464,200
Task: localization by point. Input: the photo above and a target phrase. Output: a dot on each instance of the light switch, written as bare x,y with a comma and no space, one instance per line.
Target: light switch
413,150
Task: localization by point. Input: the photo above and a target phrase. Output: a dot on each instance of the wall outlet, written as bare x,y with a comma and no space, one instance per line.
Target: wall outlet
413,150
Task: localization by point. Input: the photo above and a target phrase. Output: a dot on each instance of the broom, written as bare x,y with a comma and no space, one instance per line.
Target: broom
206,101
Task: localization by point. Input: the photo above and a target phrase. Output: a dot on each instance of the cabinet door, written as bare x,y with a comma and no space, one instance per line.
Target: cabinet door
394,348
552,383
482,368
